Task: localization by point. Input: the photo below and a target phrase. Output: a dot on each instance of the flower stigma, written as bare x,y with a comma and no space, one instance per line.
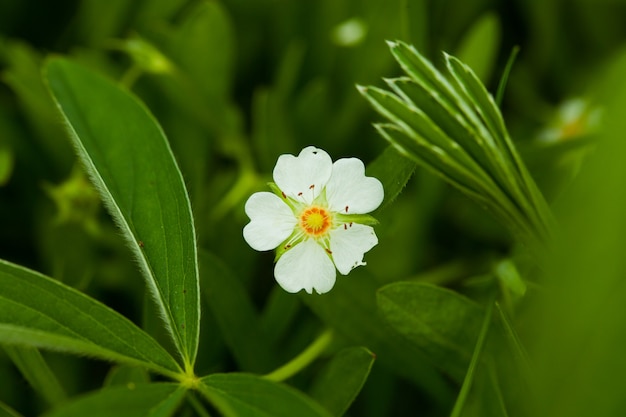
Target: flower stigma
315,221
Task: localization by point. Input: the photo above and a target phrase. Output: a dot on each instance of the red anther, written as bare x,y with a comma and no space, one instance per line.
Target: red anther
300,194
328,251
345,226
350,224
311,186
284,195
346,209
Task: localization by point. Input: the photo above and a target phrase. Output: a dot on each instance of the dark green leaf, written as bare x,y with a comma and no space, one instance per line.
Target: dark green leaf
130,161
441,322
40,312
244,395
235,314
36,371
6,411
350,309
342,379
148,400
393,170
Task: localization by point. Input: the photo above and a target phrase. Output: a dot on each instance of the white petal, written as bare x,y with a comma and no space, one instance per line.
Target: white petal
348,245
349,188
271,221
304,176
306,266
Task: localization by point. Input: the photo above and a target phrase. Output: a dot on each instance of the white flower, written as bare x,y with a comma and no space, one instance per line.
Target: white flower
316,219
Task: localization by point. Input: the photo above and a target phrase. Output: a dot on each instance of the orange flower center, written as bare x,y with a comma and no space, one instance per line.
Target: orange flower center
315,221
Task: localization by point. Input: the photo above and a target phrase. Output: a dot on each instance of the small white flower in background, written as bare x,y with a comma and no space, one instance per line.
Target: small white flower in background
316,219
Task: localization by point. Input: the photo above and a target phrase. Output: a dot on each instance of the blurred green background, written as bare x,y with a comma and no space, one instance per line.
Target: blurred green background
236,83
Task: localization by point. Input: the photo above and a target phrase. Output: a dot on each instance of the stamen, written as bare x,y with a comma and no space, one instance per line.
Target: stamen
284,195
346,209
328,251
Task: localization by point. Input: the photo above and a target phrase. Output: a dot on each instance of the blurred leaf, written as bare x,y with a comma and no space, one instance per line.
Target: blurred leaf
98,21
204,47
235,314
130,161
37,311
479,47
36,371
23,75
393,170
127,376
6,411
441,322
148,400
470,376
350,308
244,395
580,329
7,161
342,379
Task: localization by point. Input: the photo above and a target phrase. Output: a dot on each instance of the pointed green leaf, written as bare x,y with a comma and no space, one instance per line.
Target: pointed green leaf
130,161
146,400
37,311
35,370
342,379
441,322
245,395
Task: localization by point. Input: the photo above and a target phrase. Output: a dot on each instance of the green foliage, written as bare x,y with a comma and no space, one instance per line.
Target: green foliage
453,127
130,162
495,305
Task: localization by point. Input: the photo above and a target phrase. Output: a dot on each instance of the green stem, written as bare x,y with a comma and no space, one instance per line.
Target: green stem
303,359
469,377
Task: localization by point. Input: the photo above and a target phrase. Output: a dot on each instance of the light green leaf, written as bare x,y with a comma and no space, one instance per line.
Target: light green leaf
36,371
204,47
37,311
130,161
148,400
342,379
479,48
244,395
441,322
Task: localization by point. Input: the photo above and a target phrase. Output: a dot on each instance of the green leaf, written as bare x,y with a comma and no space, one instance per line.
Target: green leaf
441,322
342,379
479,48
125,375
244,395
204,47
235,314
350,309
37,311
36,371
130,161
6,411
393,170
148,400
